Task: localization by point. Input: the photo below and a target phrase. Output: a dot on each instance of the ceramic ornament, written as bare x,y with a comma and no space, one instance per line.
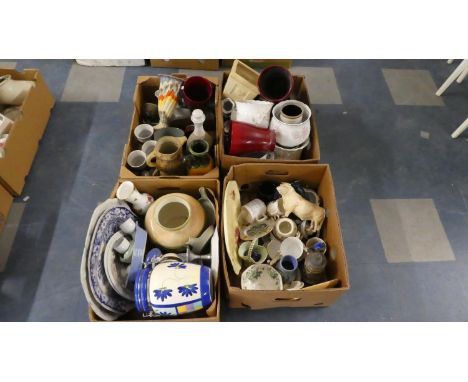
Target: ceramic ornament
302,208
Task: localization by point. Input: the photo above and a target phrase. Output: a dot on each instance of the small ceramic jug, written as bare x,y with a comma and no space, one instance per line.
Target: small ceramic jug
168,155
253,211
173,288
287,267
140,201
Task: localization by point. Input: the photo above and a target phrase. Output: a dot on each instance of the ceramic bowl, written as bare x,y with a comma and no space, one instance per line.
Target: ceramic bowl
261,277
173,219
291,134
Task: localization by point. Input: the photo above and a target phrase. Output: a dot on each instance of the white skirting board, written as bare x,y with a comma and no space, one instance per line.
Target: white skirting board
111,62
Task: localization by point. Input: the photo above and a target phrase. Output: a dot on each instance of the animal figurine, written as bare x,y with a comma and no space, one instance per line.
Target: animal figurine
302,208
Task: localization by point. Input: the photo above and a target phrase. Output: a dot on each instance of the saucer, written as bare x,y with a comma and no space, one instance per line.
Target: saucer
261,277
116,271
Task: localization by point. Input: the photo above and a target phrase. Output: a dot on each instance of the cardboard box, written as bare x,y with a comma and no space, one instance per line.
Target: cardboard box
25,134
318,176
159,187
312,155
186,64
144,92
6,200
259,63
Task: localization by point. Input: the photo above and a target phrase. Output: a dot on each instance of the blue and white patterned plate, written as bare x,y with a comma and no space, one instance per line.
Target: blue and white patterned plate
108,223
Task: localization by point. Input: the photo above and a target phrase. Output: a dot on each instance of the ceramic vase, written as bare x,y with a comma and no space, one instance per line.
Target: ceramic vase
140,201
14,92
173,219
291,135
198,161
173,288
247,138
287,267
275,83
198,117
197,92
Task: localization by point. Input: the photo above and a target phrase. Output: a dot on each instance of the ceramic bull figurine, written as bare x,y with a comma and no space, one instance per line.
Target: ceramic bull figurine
302,208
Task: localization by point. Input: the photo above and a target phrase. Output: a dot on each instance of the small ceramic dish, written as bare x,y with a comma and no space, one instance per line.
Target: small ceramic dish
261,277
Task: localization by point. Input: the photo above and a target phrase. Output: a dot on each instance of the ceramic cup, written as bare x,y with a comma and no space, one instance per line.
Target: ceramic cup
275,208
197,92
246,138
149,113
275,83
173,288
136,160
140,201
121,245
128,227
291,113
284,228
315,244
292,246
273,248
252,253
287,267
253,211
143,132
148,147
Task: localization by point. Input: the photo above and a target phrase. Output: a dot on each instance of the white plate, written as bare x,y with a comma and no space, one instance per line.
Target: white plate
231,210
261,277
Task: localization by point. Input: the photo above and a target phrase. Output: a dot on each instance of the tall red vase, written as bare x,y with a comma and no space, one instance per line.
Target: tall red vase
246,138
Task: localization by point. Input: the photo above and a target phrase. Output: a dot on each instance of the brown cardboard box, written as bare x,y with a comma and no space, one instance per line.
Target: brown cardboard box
259,63
6,200
23,141
162,186
144,92
319,176
186,64
300,93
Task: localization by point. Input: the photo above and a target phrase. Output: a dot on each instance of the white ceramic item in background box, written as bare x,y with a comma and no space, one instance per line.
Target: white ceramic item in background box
140,201
136,160
253,211
14,92
143,132
256,113
291,134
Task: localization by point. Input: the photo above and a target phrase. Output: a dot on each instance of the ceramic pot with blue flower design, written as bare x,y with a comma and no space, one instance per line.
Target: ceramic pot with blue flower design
173,288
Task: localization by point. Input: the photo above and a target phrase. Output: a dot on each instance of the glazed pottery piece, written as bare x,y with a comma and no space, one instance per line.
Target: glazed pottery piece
275,83
315,244
168,155
140,201
168,132
208,206
257,230
256,113
294,285
246,138
252,253
107,225
198,244
143,132
102,312
198,161
261,277
302,208
173,219
227,105
148,147
291,113
197,92
14,92
314,267
149,113
136,160
231,210
293,153
139,249
290,135
117,272
284,228
292,246
167,95
199,133
287,267
324,285
253,211
275,208
173,289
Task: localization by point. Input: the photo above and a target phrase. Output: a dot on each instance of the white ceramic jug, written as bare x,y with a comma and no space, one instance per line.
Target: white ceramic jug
14,92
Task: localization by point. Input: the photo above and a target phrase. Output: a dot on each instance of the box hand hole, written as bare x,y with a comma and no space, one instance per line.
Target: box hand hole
277,173
288,299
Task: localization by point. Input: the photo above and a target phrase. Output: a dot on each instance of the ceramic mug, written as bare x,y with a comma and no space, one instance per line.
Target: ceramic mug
253,211
148,147
246,138
197,92
173,288
143,132
292,246
287,267
284,228
136,160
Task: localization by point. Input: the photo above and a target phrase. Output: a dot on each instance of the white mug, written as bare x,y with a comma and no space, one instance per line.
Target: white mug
284,228
148,146
255,210
292,246
143,132
137,160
